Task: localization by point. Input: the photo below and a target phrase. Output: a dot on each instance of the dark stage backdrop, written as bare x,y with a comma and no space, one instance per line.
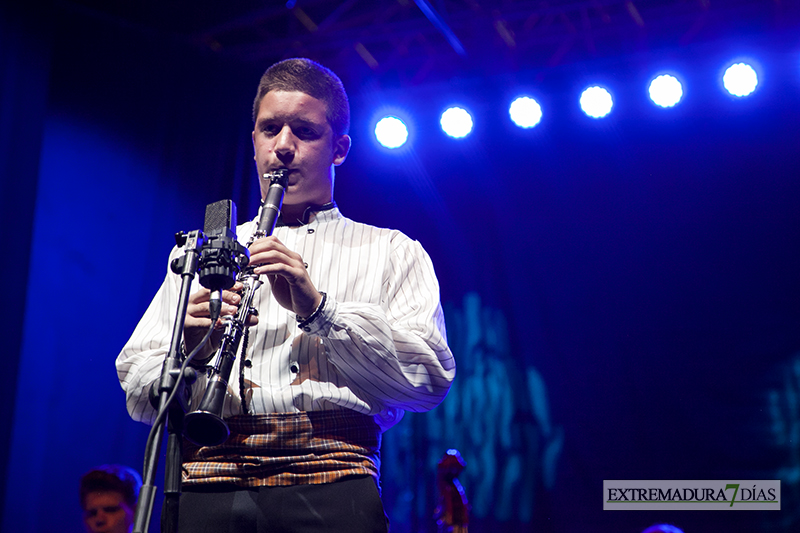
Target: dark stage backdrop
622,295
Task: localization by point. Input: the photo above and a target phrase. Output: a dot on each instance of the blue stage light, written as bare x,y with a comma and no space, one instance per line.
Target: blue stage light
665,90
740,79
596,102
456,122
525,112
391,132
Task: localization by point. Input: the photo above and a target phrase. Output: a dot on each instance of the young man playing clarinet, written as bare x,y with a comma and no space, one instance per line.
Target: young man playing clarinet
349,335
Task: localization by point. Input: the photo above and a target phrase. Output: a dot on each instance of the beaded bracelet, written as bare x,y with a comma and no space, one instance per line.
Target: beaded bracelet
304,322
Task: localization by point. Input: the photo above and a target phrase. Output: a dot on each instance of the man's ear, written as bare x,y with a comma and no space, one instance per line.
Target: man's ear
341,147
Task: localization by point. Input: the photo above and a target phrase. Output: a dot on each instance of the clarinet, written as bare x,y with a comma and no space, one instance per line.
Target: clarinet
205,426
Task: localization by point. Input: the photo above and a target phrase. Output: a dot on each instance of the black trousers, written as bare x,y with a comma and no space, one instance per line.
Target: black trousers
351,506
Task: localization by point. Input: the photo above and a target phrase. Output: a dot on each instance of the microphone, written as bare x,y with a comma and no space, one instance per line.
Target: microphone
220,218
221,257
216,272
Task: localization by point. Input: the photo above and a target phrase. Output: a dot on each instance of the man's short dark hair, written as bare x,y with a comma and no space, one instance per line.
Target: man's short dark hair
112,478
311,78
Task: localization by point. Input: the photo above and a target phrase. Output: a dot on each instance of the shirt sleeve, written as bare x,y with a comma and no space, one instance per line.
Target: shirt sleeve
395,352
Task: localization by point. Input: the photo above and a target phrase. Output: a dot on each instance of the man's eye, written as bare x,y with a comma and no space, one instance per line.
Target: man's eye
306,133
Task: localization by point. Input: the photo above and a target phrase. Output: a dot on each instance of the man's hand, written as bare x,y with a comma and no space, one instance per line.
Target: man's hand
291,285
198,319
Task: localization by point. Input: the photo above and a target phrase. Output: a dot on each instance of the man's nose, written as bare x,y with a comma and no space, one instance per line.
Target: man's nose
285,144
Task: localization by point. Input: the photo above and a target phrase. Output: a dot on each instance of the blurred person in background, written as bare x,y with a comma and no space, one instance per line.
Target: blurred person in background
108,498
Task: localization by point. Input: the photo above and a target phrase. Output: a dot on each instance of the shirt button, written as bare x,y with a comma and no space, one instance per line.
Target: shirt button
311,230
294,368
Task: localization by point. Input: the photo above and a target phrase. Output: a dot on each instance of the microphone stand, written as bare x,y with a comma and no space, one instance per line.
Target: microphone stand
219,258
186,267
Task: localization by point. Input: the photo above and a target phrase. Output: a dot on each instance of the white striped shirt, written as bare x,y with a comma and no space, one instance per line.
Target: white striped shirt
378,347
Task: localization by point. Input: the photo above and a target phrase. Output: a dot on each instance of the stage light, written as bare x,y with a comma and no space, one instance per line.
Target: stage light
525,112
391,132
456,122
596,102
665,90
740,79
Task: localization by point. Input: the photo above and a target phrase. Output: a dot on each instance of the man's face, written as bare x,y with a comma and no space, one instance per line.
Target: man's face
107,512
292,132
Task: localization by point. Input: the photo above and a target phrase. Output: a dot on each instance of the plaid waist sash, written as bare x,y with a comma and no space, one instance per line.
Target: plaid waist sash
282,449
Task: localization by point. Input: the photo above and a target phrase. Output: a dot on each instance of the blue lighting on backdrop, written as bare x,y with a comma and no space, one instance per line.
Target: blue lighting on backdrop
596,102
525,112
740,79
456,122
665,90
391,132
